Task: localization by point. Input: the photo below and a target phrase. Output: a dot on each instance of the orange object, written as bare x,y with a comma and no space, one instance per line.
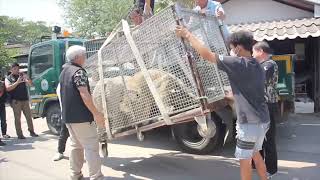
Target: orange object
66,33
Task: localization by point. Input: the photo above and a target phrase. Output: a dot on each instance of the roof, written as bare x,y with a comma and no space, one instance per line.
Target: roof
282,29
307,5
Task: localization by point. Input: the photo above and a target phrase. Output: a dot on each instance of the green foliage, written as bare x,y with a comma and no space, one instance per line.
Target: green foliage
15,30
95,17
18,31
5,56
98,17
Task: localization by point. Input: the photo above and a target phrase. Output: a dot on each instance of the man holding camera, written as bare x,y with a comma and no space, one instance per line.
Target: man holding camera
16,85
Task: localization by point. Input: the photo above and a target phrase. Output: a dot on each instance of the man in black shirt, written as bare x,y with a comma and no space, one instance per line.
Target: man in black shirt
3,99
16,85
2,110
79,115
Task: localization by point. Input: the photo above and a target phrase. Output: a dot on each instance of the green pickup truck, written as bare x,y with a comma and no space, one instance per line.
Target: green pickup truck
44,67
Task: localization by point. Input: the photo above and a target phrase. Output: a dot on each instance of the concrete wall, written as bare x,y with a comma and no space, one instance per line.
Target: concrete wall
244,11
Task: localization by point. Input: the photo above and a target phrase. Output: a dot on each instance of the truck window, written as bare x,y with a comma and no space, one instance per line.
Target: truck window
41,60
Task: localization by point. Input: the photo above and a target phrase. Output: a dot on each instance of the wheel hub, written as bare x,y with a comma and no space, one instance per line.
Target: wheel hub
208,132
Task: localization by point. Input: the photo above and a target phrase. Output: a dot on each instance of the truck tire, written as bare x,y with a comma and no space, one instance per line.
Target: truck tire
53,117
190,141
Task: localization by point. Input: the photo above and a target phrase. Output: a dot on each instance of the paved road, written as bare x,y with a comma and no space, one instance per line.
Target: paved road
159,158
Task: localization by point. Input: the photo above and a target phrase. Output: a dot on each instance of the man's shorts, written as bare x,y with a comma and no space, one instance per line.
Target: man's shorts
250,139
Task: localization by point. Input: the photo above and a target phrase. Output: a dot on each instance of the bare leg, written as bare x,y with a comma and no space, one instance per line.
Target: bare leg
245,169
260,166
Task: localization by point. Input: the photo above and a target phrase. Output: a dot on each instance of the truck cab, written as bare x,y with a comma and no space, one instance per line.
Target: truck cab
44,67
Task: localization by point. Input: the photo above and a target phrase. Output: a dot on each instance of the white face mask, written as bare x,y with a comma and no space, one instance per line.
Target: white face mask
234,52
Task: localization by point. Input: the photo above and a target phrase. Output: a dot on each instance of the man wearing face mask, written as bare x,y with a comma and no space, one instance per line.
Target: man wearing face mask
247,82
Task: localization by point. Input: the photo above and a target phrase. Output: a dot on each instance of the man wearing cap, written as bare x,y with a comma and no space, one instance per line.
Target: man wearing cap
16,85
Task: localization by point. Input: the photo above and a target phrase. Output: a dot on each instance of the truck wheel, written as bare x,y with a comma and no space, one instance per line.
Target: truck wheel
190,141
53,117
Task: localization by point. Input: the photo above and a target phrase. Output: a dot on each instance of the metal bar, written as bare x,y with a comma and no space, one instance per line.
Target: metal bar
145,72
194,70
178,119
100,69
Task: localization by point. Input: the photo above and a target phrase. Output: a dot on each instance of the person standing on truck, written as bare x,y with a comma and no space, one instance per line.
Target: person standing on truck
262,51
79,114
143,9
136,17
64,133
16,84
214,8
247,82
146,7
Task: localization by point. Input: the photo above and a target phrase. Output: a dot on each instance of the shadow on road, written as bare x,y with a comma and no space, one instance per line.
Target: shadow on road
14,144
174,166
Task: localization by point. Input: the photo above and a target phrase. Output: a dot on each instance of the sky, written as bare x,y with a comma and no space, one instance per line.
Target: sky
34,10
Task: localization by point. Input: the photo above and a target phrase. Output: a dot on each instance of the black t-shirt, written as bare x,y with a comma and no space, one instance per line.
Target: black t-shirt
247,82
142,2
19,93
4,96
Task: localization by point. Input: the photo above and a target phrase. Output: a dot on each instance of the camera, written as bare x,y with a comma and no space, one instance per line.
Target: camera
21,75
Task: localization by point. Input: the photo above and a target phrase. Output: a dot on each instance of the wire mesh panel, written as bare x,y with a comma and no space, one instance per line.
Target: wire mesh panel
162,50
91,64
129,101
207,30
92,46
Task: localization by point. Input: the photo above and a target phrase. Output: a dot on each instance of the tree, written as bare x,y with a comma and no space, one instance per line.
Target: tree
18,31
95,17
5,57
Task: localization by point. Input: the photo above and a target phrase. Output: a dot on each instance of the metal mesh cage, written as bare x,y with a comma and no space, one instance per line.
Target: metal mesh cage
129,101
91,64
207,29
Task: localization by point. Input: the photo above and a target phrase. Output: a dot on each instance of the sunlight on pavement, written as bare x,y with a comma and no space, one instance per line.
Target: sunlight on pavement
296,164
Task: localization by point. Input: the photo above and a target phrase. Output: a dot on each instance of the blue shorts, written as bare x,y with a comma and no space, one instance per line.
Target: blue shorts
250,139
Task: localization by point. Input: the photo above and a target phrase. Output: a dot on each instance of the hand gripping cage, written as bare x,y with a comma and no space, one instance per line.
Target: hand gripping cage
147,77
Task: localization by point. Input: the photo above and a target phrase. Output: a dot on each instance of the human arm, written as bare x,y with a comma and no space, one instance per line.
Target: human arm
147,8
87,99
26,79
204,52
11,86
80,80
220,12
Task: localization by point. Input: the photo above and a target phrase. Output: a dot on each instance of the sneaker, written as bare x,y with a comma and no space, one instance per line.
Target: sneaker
269,176
33,134
2,143
58,157
6,136
21,137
